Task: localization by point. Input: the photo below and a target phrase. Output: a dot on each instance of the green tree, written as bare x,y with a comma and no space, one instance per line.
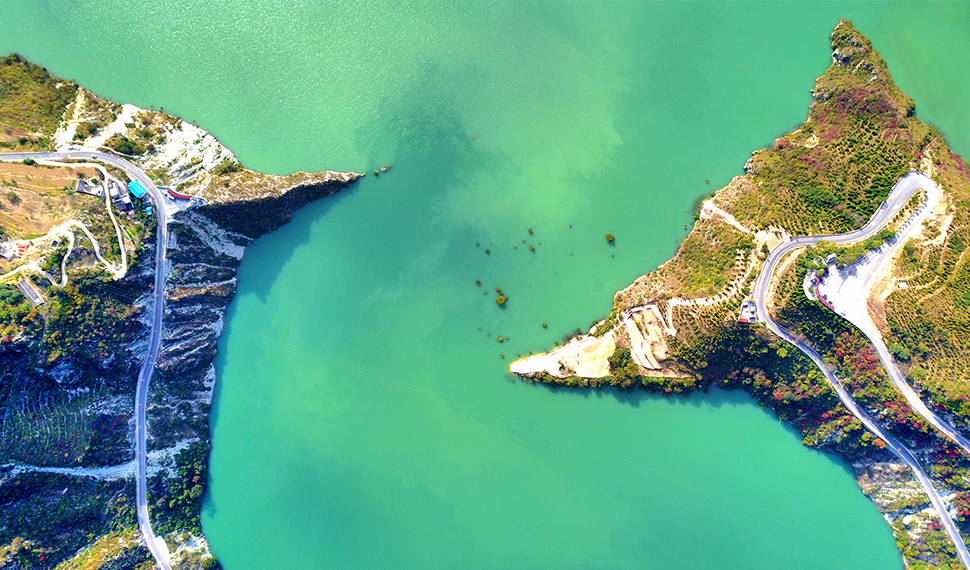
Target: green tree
622,364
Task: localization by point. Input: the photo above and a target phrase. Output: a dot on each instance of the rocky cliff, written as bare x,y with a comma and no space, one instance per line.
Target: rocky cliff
68,368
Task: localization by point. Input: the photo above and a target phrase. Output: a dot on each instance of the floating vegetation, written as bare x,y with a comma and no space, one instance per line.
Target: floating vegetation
501,338
532,248
544,324
610,237
500,300
530,231
488,251
478,282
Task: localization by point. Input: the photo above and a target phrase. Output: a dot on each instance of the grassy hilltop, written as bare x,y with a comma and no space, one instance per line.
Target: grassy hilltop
32,102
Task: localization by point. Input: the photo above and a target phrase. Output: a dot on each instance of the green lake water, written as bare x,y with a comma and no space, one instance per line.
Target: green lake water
364,417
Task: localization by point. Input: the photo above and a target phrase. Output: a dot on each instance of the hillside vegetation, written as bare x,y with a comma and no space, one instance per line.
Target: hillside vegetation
68,367
828,176
32,103
66,374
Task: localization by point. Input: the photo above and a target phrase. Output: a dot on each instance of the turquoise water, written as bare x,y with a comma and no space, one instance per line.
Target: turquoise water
364,417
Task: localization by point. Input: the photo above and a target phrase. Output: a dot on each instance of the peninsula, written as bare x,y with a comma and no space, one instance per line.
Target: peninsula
122,228
854,332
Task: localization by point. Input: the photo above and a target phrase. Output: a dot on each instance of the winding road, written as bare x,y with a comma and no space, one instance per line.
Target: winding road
155,544
907,186
848,293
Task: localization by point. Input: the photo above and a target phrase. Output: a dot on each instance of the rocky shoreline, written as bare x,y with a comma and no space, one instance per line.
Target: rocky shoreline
232,206
205,256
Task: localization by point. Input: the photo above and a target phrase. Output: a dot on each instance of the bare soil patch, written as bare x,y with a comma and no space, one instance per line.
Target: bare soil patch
33,199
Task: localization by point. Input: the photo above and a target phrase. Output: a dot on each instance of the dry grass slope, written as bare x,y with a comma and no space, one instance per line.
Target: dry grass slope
32,101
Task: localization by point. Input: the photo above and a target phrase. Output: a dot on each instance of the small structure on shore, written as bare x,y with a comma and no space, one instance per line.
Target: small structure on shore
174,194
8,250
30,291
136,189
118,196
90,187
749,312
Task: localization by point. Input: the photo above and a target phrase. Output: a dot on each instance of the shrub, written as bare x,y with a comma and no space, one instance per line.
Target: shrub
622,365
124,146
225,167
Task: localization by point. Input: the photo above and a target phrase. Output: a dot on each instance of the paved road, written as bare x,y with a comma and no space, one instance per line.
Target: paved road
847,294
907,186
155,544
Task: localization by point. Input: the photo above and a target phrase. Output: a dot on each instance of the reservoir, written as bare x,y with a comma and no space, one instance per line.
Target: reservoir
364,417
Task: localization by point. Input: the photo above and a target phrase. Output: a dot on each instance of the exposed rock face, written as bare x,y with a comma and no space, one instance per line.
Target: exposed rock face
267,205
77,407
205,253
642,330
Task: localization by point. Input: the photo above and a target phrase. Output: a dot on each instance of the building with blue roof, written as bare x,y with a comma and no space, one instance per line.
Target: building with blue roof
136,189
